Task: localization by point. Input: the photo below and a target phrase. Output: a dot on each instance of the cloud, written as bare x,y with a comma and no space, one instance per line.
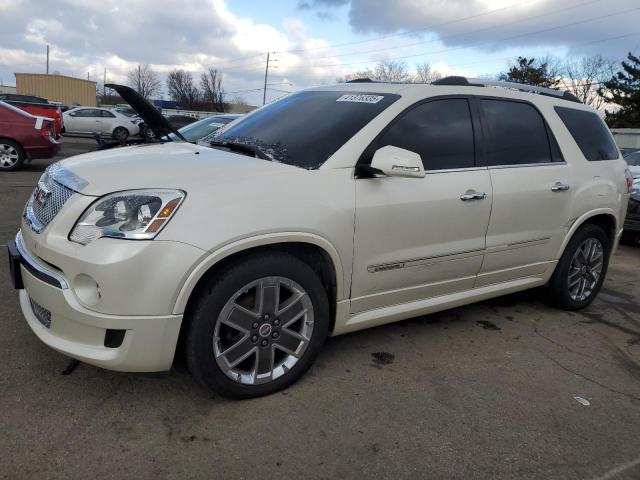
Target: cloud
492,25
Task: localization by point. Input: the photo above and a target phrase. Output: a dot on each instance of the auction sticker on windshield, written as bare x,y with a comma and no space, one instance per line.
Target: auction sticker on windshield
360,98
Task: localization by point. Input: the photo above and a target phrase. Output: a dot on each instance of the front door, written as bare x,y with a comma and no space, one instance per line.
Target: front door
417,238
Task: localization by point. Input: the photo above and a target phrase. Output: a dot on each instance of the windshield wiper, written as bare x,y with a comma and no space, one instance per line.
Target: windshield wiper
241,148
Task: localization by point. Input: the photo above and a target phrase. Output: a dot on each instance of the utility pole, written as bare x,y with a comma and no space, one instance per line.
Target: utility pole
104,81
87,75
47,59
266,74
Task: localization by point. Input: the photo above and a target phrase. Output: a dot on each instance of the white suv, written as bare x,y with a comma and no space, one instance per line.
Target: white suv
331,210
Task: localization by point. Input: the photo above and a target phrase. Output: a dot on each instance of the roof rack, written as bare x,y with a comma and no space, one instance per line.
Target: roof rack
480,82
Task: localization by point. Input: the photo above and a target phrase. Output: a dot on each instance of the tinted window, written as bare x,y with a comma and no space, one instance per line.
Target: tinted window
107,114
200,129
87,112
590,133
633,159
516,133
304,129
439,131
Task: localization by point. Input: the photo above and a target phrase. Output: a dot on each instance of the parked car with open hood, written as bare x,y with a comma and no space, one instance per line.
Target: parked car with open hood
24,137
87,120
331,210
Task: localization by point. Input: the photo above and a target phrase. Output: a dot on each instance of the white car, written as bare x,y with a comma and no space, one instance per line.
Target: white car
331,210
87,120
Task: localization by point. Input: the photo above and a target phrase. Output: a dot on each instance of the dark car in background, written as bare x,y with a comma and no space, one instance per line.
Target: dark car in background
24,137
179,121
632,221
38,106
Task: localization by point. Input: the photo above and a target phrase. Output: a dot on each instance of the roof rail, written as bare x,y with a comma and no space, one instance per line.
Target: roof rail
523,87
360,80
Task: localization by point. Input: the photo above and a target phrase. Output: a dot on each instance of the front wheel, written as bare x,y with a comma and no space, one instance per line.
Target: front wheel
581,270
11,155
257,326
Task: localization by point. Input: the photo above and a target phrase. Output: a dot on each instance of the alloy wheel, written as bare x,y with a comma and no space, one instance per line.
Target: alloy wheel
9,155
585,269
263,330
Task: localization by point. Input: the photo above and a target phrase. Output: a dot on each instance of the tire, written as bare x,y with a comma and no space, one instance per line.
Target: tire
572,268
121,134
12,155
216,352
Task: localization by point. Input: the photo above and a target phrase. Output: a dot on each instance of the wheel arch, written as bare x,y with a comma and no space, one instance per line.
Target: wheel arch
603,217
314,250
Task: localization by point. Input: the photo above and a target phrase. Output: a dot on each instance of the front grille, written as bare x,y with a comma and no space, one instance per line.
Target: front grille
42,314
46,201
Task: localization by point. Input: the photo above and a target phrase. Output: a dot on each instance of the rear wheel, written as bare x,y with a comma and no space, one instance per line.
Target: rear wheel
257,326
11,155
121,134
581,270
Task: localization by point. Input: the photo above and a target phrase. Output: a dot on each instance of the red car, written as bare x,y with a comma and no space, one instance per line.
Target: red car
38,106
24,137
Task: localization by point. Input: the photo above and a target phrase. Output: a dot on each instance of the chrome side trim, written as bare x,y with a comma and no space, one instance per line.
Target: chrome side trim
39,271
420,262
526,165
452,170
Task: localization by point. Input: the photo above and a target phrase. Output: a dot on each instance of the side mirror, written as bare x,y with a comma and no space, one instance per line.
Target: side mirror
398,162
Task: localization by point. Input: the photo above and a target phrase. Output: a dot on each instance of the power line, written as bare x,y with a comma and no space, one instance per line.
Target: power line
489,42
411,32
447,37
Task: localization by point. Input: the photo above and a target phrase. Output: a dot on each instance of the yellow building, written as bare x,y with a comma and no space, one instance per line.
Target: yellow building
57,88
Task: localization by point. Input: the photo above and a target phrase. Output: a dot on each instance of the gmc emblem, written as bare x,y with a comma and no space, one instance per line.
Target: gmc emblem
41,193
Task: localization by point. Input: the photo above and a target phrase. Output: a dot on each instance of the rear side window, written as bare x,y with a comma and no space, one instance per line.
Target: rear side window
440,131
590,133
516,134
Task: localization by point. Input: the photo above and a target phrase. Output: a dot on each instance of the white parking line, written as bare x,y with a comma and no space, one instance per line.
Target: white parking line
615,471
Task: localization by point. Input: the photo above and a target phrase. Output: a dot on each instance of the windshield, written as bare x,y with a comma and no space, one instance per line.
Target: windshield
633,159
304,129
200,129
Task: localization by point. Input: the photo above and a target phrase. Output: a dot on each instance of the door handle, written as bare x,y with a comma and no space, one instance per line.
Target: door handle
560,187
471,195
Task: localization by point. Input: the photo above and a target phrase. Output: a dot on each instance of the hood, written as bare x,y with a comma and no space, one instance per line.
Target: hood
177,165
145,110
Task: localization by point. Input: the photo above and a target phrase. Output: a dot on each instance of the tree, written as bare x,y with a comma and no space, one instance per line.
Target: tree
425,74
387,71
144,80
212,92
623,89
543,73
182,89
584,76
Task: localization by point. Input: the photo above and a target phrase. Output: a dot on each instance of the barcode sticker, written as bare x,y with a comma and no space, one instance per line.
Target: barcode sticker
360,98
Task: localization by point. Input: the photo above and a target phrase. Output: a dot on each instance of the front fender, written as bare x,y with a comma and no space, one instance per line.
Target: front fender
213,257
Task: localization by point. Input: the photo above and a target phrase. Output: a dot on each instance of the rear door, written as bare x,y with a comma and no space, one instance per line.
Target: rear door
108,121
532,191
421,237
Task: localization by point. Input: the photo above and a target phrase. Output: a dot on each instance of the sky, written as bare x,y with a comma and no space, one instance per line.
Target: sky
310,42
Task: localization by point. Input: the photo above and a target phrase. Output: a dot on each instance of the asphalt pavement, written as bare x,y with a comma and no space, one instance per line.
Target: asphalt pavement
509,388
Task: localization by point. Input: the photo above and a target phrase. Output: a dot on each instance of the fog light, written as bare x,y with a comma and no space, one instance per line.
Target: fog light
86,289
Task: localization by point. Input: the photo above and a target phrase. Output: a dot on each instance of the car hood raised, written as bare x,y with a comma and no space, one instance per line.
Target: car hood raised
177,165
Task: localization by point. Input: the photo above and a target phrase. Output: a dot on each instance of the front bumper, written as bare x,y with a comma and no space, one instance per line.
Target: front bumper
54,311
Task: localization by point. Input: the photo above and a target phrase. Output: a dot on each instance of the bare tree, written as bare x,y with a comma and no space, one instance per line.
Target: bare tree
182,89
386,71
425,74
144,80
212,91
238,100
584,76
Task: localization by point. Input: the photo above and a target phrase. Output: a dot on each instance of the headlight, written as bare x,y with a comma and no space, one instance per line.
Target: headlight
133,214
635,187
